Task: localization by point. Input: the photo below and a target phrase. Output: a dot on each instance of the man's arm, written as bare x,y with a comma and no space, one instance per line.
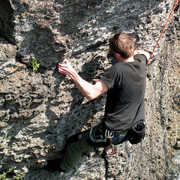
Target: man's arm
142,52
87,89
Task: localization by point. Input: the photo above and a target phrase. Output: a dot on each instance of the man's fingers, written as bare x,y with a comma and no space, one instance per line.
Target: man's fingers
64,67
65,61
61,71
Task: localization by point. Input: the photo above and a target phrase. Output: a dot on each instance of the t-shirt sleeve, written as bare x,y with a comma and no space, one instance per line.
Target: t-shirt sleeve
141,57
111,75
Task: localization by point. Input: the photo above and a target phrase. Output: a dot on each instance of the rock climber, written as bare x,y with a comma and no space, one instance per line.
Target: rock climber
124,83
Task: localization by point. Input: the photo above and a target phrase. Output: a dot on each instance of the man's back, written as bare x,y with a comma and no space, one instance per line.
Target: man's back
126,82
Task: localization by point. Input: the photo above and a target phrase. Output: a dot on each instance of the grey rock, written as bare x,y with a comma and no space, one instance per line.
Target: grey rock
40,110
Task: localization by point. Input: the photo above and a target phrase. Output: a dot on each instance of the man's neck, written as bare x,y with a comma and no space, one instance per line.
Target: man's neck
130,59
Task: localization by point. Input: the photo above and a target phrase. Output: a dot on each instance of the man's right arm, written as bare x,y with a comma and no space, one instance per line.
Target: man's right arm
91,91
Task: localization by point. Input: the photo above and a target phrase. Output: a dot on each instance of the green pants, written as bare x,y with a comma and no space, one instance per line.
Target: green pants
75,146
81,142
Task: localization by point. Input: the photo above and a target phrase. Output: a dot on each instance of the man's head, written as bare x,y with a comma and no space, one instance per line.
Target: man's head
122,44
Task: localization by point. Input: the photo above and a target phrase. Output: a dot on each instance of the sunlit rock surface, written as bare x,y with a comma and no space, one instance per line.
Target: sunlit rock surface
40,110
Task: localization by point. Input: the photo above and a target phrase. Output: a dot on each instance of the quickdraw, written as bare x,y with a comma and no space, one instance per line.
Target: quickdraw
111,149
109,135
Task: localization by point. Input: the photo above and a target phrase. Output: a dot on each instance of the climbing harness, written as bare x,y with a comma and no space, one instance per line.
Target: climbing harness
92,134
98,134
110,138
162,31
115,138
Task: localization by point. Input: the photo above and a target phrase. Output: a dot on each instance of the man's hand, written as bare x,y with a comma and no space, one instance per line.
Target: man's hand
65,68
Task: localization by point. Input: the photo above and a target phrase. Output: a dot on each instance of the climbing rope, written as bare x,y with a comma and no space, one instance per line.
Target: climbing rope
163,30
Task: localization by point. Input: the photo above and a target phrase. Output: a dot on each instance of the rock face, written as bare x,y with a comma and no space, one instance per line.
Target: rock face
40,109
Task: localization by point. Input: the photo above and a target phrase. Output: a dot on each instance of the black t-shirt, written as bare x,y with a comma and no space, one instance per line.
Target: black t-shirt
125,97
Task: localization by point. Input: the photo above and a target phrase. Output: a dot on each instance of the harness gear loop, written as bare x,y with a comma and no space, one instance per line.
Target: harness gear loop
162,31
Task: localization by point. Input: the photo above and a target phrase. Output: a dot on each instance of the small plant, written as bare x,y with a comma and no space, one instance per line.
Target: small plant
3,176
9,174
9,138
35,65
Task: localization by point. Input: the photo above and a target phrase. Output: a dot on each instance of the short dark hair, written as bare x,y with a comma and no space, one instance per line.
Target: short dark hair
122,44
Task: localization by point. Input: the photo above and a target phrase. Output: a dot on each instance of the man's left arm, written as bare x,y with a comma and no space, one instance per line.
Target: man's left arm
91,91
142,52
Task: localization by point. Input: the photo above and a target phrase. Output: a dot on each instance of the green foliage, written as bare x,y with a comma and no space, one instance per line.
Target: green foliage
35,65
10,175
9,138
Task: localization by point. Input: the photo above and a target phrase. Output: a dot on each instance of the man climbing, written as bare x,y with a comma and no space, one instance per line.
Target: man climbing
124,83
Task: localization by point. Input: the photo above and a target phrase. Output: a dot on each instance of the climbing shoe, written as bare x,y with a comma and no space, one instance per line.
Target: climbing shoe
53,166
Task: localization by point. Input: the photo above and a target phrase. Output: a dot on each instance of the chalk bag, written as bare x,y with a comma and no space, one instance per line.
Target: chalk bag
136,133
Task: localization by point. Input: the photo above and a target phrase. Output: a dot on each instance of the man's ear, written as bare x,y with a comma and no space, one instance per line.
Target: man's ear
118,56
